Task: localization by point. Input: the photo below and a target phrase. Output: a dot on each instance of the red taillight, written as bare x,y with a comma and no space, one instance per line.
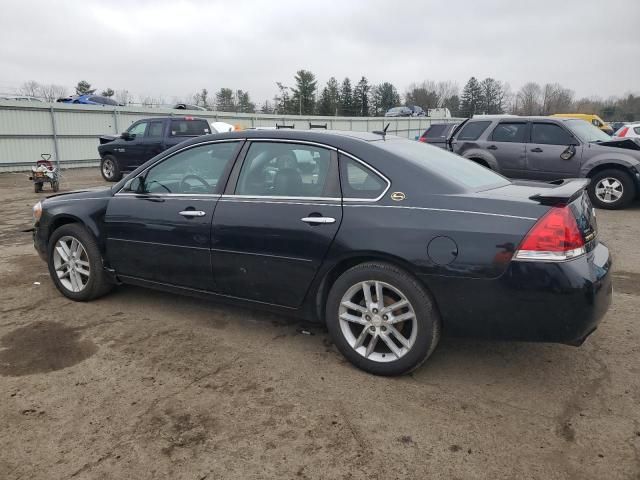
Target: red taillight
422,139
622,132
554,237
188,118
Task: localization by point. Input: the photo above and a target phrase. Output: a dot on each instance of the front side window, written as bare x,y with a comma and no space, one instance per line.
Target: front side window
550,134
473,130
358,181
509,132
138,129
197,170
285,170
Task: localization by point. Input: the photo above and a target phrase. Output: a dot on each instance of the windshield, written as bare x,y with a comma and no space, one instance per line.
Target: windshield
587,132
455,168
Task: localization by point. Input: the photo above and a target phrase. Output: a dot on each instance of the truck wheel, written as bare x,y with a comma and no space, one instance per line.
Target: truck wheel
55,185
37,187
611,189
110,169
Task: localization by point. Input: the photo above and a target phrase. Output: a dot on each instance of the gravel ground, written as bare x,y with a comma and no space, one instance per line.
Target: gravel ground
141,384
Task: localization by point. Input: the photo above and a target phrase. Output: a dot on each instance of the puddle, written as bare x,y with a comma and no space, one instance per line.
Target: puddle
42,347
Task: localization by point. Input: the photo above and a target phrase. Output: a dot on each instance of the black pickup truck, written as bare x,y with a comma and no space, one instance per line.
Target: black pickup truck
143,140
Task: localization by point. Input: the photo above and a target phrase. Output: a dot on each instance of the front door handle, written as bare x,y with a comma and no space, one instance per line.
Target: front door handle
192,213
492,147
536,150
318,220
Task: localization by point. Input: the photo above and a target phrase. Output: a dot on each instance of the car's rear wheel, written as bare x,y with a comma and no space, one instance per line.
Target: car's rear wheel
75,263
382,319
612,189
110,169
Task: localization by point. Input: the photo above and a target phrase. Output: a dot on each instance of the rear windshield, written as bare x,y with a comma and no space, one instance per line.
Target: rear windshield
435,131
453,167
189,128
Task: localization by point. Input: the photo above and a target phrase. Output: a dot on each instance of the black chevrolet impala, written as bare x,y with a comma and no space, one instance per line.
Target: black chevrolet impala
388,241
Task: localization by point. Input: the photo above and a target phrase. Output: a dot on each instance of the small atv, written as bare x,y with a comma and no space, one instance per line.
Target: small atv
45,172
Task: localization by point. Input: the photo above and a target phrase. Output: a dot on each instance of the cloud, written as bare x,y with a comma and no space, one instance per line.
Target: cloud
178,47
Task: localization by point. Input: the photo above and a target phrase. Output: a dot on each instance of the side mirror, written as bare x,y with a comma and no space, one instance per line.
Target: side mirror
568,153
127,136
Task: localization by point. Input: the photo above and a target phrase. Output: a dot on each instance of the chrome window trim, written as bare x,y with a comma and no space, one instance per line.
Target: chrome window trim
377,172
276,197
225,140
178,195
448,210
283,201
287,140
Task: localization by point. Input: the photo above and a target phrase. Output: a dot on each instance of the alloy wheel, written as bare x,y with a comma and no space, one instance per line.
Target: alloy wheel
378,321
107,168
609,190
71,263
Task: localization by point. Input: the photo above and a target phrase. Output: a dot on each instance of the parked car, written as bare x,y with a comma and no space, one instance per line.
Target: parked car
143,140
89,100
417,111
549,148
399,112
617,125
187,106
389,242
437,134
632,130
594,120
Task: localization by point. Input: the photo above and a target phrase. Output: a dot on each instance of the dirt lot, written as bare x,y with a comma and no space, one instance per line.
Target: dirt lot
142,384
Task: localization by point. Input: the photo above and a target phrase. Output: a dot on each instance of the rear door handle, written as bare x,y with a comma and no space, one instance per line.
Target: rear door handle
492,147
192,213
318,220
536,150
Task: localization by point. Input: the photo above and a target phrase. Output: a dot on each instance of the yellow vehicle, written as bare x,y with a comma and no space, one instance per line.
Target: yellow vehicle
594,120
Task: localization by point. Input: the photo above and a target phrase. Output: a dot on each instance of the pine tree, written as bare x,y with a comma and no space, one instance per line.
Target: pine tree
108,92
225,101
361,98
304,92
384,97
84,88
346,99
470,103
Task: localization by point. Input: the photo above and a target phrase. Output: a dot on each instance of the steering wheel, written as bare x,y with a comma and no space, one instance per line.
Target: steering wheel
185,186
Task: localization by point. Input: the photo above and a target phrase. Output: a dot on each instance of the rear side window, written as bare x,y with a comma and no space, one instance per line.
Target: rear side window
550,134
155,129
358,181
637,130
509,132
189,128
473,130
435,131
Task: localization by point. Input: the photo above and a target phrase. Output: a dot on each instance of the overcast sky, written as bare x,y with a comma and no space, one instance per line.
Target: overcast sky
178,47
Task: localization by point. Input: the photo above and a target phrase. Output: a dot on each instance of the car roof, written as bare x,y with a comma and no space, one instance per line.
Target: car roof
524,118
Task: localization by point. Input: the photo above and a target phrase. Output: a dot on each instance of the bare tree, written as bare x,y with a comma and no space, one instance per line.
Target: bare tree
123,97
30,89
556,99
50,93
529,99
445,90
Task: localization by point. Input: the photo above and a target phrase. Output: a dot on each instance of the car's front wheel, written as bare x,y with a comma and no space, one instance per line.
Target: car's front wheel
382,319
75,263
611,189
110,169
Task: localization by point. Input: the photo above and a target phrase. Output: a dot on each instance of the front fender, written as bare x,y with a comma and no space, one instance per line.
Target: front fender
605,158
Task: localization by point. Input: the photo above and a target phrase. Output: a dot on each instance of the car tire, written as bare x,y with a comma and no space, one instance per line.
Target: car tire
109,169
37,187
353,322
84,277
612,189
55,185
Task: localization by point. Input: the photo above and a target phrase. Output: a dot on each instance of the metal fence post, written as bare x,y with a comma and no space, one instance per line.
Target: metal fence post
115,121
55,137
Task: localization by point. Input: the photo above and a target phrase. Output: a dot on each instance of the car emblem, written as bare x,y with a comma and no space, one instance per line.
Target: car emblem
398,196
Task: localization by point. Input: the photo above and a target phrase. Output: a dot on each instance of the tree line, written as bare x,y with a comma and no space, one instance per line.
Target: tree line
304,96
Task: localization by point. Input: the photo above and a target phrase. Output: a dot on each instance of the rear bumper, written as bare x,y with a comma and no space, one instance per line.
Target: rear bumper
533,301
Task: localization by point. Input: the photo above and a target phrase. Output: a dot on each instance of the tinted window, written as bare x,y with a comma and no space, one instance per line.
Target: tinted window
155,129
473,130
193,171
189,128
550,134
108,101
95,99
445,164
435,131
284,170
509,132
138,129
637,130
358,181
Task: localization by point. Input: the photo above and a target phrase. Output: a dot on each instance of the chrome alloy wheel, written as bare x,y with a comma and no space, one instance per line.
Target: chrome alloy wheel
108,168
71,263
609,190
378,321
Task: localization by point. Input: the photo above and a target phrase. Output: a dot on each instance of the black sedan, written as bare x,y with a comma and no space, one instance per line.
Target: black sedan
388,241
